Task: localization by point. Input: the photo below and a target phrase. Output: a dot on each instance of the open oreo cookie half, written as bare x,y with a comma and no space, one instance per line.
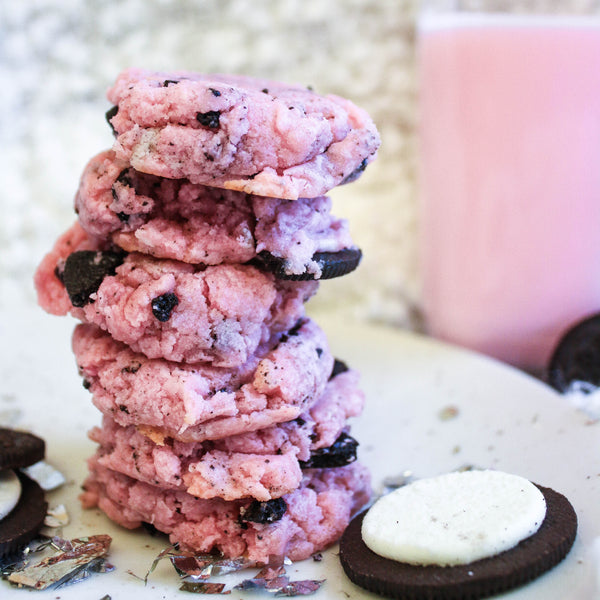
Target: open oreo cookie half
482,578
332,264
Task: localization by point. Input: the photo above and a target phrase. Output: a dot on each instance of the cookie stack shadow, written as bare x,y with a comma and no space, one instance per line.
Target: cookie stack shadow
200,236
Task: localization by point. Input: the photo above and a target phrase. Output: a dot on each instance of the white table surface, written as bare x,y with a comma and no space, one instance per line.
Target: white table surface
504,420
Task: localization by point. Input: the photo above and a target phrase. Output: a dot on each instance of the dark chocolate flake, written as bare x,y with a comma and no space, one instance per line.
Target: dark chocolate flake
132,368
264,512
168,82
77,560
162,306
341,453
85,270
214,92
210,119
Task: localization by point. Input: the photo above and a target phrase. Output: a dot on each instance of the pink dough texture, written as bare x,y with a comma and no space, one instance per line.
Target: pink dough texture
317,513
173,218
261,464
197,402
251,135
223,312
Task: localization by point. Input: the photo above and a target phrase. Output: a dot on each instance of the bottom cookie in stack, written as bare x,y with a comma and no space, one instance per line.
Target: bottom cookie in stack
274,473
298,524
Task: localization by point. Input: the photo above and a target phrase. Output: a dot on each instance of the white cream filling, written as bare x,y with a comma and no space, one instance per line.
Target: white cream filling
10,492
454,519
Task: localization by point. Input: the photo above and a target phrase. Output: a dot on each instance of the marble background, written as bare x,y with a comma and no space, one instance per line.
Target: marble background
59,56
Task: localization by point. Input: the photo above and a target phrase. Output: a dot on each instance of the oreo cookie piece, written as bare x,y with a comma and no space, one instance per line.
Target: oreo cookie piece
265,512
341,453
85,270
577,356
331,264
21,525
19,449
479,579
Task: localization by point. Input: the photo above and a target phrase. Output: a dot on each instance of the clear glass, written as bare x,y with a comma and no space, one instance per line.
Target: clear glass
509,173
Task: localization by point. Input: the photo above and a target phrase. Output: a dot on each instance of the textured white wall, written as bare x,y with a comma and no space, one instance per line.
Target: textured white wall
59,56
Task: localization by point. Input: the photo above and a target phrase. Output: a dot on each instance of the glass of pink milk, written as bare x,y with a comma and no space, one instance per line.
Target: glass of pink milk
509,173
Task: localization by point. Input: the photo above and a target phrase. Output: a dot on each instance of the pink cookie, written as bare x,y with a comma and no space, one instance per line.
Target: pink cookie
263,464
251,135
197,402
169,309
299,524
173,218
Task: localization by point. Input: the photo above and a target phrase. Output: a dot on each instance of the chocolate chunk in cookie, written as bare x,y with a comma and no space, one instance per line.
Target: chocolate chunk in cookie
19,449
85,270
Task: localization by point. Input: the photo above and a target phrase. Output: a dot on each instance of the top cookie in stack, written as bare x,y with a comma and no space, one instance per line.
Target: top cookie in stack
201,235
251,135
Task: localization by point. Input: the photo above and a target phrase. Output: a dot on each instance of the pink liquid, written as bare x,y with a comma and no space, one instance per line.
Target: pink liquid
510,182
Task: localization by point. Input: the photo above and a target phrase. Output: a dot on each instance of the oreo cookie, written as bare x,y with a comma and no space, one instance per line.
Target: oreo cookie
21,525
576,357
19,449
332,264
85,270
479,579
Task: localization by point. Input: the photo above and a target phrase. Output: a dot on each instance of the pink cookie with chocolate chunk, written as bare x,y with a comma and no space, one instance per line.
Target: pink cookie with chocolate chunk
307,520
176,219
251,135
169,309
263,464
197,402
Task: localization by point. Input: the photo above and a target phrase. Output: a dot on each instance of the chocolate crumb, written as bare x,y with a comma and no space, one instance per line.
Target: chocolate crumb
210,119
85,270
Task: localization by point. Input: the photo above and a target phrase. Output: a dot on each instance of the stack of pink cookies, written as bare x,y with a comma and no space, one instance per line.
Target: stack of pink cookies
200,236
